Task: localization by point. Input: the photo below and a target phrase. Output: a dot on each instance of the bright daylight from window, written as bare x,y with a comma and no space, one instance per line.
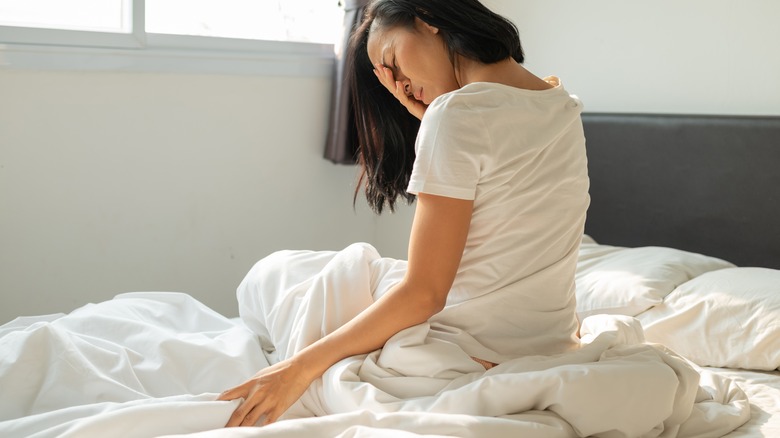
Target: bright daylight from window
284,20
92,15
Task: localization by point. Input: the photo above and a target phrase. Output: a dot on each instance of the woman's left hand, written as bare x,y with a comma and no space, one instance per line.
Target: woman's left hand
385,76
268,394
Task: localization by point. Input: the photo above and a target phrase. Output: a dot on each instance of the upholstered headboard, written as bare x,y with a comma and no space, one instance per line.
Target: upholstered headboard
707,184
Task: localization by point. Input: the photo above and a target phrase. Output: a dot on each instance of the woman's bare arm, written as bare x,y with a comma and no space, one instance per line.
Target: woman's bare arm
436,245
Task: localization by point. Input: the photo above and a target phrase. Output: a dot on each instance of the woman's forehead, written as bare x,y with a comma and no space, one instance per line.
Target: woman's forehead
379,45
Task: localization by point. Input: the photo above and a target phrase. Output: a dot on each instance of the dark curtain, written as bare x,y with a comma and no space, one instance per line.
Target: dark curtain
342,144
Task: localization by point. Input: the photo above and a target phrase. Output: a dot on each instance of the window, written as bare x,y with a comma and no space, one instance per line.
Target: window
211,36
91,15
280,20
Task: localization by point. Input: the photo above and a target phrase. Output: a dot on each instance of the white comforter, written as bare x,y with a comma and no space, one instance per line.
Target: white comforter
151,364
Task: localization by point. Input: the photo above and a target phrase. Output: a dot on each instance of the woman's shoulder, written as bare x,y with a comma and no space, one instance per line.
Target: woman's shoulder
485,95
466,102
450,107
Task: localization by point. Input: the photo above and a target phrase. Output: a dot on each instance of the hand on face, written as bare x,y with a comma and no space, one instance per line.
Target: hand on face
385,76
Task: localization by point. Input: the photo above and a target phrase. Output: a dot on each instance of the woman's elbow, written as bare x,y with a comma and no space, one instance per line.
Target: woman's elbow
424,300
430,302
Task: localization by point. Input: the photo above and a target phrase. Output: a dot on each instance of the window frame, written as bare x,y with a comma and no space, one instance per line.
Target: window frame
24,48
83,38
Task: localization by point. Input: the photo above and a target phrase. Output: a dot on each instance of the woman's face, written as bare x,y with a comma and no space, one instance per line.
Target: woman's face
417,57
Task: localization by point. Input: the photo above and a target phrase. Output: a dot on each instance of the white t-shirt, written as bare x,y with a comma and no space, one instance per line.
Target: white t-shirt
520,156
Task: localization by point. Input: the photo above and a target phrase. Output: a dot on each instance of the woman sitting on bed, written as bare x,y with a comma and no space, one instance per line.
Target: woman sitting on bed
499,172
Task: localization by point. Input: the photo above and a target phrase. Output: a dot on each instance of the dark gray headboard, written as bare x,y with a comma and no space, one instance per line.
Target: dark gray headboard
707,184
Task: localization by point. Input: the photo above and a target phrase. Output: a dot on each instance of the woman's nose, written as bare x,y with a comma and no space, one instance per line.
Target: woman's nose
407,88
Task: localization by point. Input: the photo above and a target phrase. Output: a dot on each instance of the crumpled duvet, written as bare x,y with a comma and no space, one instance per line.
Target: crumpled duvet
152,364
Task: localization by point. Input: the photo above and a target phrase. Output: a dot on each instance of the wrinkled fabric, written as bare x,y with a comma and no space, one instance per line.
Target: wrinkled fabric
152,364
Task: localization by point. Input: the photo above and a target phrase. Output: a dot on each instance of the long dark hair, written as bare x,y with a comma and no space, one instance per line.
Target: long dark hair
386,130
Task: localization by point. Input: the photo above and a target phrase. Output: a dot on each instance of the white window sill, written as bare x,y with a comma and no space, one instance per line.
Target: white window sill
176,54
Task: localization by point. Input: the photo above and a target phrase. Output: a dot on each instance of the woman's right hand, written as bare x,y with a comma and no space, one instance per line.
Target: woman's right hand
269,393
385,76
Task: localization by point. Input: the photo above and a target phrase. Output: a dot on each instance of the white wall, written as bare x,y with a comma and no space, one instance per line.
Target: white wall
119,182
116,182
661,56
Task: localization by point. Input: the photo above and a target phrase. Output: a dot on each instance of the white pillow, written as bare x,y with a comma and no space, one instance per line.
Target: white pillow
729,318
628,281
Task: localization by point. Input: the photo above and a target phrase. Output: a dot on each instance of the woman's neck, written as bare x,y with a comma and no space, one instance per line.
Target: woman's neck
507,72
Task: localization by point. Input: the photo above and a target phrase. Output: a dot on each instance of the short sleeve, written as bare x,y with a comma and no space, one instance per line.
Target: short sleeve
448,150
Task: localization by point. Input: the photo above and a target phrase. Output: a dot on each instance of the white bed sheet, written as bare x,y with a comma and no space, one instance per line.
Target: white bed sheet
763,391
150,364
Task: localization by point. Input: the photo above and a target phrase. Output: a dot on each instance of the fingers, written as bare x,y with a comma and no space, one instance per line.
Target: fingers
396,88
237,419
268,394
248,412
240,391
255,407
385,76
253,414
271,417
240,413
256,404
230,394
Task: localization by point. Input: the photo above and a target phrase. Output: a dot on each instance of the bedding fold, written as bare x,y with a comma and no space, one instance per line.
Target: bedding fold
148,364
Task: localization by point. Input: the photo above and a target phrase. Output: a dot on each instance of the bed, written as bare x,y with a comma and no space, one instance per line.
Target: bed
681,250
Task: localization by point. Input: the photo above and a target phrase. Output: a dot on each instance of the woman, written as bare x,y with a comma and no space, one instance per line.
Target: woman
499,172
